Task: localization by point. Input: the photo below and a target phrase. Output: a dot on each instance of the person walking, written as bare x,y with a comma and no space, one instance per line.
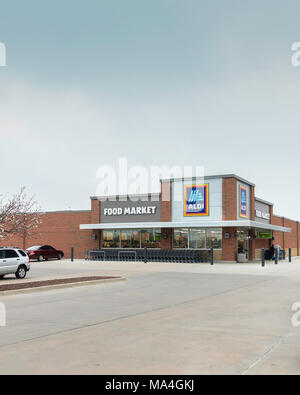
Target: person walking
272,252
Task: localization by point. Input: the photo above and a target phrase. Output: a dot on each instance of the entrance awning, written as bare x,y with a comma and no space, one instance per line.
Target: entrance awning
202,224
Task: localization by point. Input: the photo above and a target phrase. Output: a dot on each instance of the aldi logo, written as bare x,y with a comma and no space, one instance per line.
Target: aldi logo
243,202
196,200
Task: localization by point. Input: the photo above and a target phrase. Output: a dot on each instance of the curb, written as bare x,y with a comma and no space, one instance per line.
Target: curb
59,286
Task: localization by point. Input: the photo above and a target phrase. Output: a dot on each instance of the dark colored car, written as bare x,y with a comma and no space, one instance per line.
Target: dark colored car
44,253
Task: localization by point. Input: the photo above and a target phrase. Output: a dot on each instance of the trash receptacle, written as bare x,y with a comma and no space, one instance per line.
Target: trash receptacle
242,257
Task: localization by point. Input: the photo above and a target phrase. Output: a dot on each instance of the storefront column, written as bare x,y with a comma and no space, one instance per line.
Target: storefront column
95,239
229,244
251,251
166,238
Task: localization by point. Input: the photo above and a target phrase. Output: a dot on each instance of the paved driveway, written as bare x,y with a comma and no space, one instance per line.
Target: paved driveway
165,319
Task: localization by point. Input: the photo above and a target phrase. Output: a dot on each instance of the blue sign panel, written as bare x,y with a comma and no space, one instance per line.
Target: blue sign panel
196,200
243,202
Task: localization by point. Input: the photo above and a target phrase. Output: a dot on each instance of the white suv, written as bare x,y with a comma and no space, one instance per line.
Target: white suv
13,261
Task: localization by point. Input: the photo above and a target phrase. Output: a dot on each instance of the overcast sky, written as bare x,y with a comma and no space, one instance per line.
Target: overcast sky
161,82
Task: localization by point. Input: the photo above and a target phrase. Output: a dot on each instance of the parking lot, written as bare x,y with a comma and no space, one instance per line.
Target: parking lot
164,319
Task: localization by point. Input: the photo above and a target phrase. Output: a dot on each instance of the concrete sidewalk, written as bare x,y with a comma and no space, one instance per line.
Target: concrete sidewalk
51,269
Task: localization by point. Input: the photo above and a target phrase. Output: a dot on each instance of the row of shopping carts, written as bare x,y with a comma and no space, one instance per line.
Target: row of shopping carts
150,255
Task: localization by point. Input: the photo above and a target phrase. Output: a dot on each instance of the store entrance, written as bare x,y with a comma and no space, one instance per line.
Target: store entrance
243,242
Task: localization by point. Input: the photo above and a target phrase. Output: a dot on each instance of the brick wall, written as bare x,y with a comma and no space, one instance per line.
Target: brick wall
95,211
166,244
61,230
258,245
229,199
252,203
229,246
166,202
287,240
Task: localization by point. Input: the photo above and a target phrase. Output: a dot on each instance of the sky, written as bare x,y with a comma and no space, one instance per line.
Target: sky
160,82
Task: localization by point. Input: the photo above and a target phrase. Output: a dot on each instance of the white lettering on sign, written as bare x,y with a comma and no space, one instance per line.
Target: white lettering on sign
260,214
130,211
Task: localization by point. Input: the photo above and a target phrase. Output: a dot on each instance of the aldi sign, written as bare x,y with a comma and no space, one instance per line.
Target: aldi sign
196,200
243,202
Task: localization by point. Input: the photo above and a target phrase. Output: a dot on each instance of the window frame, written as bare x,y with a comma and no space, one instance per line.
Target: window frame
188,247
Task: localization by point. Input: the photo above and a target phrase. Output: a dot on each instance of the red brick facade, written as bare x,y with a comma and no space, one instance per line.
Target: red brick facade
287,240
166,214
60,229
229,199
166,202
229,245
166,238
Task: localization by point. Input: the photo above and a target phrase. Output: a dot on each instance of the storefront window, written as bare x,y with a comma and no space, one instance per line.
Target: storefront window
197,238
111,239
136,240
214,238
130,238
181,238
150,238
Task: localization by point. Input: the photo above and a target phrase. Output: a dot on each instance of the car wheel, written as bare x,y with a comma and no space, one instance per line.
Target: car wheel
59,257
40,258
21,272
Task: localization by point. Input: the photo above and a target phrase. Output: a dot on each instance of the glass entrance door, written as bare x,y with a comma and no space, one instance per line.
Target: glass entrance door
243,242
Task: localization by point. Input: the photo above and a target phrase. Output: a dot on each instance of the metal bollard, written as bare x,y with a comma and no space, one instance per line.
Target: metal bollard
72,254
211,256
145,255
290,255
276,256
263,257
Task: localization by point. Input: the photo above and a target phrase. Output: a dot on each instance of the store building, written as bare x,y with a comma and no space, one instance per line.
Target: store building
219,211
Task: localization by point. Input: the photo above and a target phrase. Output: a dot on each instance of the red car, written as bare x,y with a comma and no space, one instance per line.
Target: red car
43,253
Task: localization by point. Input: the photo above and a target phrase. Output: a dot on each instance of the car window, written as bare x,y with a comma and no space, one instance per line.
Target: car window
22,252
33,248
43,248
2,254
11,254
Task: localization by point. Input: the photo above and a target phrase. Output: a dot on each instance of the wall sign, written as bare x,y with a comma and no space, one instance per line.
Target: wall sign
261,214
267,234
130,210
196,200
122,211
243,202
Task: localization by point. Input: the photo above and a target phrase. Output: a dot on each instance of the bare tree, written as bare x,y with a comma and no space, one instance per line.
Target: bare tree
19,215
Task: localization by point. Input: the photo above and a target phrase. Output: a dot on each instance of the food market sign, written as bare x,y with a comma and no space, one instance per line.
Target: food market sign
129,211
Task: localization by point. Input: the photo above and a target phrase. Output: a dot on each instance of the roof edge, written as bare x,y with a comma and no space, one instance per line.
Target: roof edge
209,177
264,201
